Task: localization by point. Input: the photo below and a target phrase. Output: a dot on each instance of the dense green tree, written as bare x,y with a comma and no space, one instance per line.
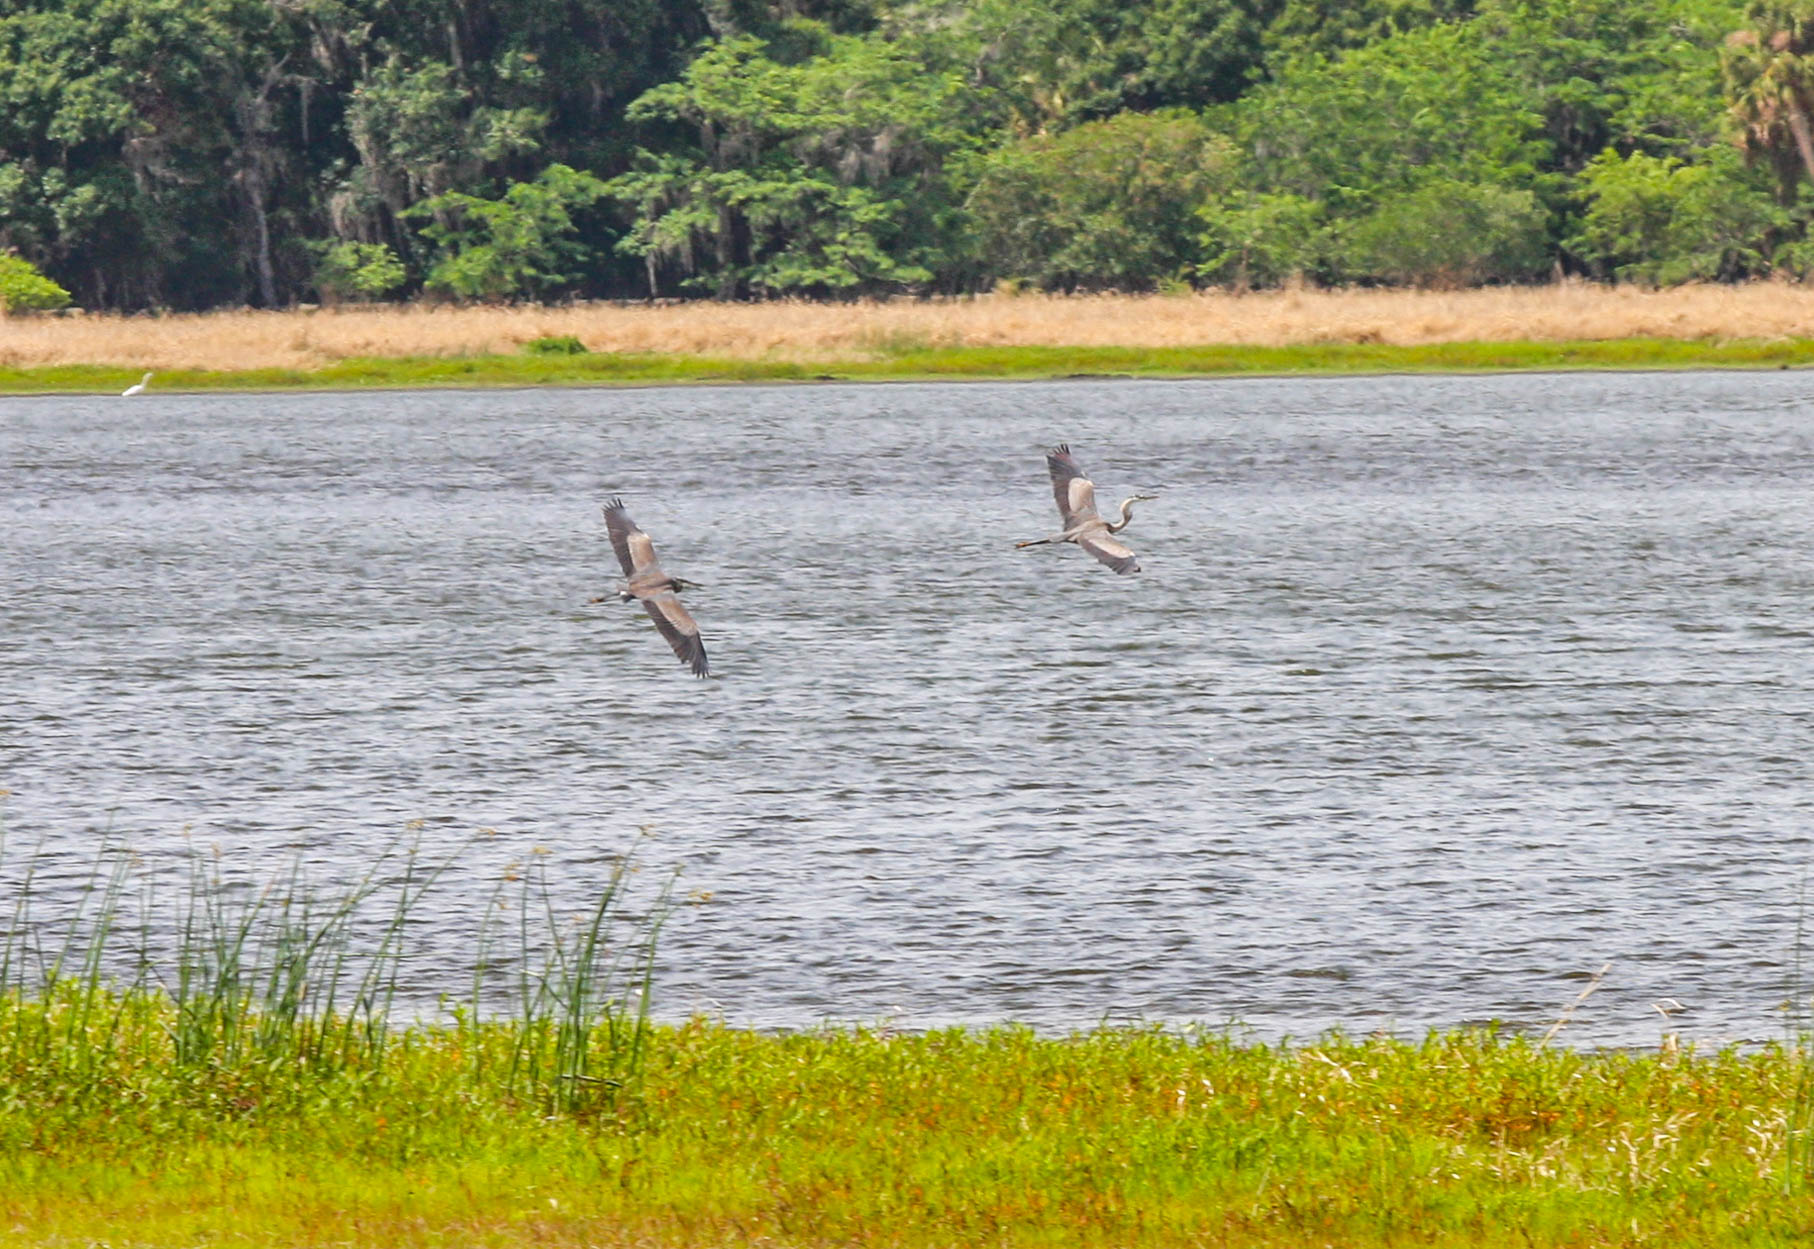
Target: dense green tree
1769,68
470,95
1110,204
1447,233
189,153
1608,73
1480,116
521,244
177,152
1433,103
357,271
1256,239
816,175
1190,53
420,133
1062,62
127,124
1658,221
1321,29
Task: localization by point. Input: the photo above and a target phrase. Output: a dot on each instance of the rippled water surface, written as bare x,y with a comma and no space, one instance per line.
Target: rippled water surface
1434,695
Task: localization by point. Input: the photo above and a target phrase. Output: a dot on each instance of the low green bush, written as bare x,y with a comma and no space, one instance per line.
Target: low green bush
555,345
24,289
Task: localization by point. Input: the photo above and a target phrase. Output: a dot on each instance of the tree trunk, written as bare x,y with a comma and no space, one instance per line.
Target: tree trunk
726,249
1804,138
258,157
261,256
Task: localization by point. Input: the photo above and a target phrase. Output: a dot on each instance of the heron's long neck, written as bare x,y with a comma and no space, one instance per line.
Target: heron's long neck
1127,514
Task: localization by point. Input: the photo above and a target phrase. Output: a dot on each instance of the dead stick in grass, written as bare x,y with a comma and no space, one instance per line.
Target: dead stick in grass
1593,982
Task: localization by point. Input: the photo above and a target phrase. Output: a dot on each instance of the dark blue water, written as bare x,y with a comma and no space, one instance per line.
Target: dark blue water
1434,695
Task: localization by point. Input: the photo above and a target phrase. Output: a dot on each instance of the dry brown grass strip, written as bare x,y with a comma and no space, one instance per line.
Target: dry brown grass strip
815,332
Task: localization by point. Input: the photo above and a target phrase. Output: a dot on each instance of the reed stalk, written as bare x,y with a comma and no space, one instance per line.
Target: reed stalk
583,1011
1798,1130
287,975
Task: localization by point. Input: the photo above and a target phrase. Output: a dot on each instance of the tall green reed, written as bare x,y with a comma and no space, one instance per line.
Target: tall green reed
280,972
287,974
1798,1131
59,967
581,987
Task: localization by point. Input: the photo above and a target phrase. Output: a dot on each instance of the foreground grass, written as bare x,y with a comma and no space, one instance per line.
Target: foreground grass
225,1068
859,1137
939,364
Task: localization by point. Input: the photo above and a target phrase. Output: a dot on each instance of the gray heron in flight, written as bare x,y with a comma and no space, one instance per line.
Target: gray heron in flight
654,589
1076,496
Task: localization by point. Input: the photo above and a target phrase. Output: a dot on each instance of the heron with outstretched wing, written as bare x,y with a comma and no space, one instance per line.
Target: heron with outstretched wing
658,593
1076,495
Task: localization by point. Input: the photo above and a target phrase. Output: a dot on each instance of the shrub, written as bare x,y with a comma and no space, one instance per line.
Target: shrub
24,289
555,345
1109,204
1261,240
357,271
1658,221
520,245
1448,233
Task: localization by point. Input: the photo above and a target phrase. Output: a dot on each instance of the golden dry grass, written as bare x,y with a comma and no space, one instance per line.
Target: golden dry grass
816,332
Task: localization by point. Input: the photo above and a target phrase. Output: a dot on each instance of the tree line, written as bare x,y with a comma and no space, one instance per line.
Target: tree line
188,154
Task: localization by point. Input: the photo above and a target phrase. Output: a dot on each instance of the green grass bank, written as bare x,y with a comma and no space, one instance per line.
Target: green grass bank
257,1059
941,364
443,1135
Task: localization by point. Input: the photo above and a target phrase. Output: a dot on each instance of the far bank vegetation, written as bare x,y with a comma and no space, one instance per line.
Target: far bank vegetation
818,334
204,154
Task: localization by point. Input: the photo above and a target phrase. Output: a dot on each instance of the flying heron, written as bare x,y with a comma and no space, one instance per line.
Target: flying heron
653,588
1076,496
137,388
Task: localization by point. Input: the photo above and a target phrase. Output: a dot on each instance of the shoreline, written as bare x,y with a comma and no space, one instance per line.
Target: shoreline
1288,332
952,364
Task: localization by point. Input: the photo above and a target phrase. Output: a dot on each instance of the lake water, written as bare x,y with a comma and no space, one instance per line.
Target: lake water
1434,695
